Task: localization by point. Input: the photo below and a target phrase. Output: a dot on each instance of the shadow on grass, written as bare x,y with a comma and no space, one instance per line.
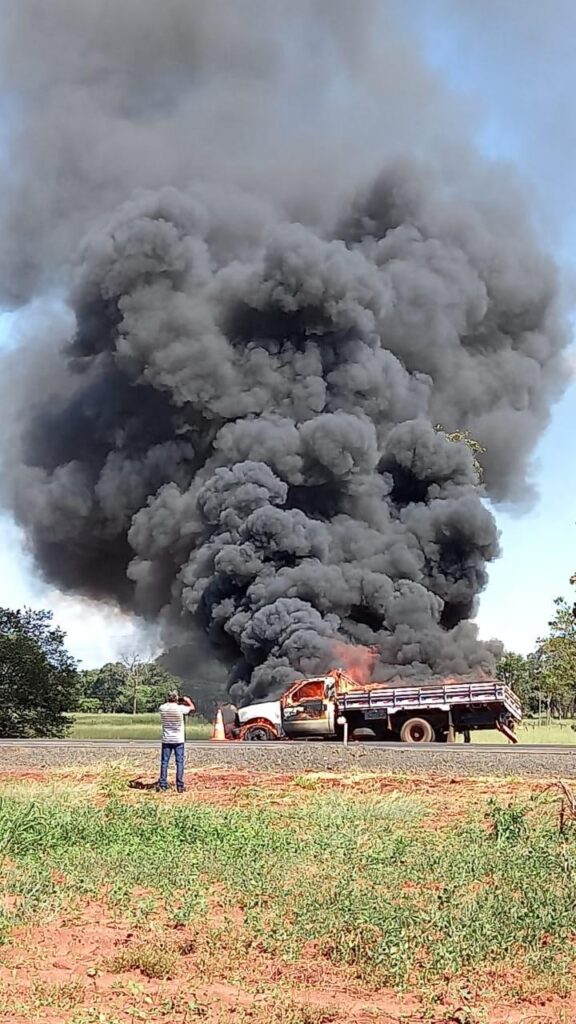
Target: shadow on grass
142,784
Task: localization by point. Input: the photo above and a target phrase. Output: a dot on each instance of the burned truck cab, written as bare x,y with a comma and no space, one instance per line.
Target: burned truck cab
307,709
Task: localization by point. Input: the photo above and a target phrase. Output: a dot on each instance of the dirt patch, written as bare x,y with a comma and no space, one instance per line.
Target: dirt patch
83,963
220,788
22,775
449,799
70,970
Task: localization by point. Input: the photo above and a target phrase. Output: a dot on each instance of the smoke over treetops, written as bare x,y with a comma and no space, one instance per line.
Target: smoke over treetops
239,432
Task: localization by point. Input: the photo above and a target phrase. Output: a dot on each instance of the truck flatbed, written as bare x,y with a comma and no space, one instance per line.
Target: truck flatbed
441,697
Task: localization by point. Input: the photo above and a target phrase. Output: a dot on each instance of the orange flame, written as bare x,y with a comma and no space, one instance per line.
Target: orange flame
356,661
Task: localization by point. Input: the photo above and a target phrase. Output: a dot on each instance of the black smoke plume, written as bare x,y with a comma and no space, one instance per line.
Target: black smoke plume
239,435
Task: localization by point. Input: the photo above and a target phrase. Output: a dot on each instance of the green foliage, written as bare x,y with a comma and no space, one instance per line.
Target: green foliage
103,687
133,686
556,656
125,687
522,675
546,678
508,823
153,684
88,705
38,678
361,880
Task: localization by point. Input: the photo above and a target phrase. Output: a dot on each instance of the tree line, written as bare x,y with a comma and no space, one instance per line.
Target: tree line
545,679
41,686
128,686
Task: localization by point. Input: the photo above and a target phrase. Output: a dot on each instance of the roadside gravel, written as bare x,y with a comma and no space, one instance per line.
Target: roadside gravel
304,757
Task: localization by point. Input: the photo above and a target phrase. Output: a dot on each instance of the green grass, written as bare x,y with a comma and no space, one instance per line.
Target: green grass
531,731
147,727
130,727
359,879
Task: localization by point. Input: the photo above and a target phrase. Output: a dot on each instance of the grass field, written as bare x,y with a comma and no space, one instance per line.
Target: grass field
288,901
130,727
147,727
531,731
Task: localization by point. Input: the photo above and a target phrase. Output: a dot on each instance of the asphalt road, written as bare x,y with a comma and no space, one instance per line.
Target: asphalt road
453,760
460,749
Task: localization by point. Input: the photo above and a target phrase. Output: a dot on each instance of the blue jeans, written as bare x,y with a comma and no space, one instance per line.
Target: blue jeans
167,750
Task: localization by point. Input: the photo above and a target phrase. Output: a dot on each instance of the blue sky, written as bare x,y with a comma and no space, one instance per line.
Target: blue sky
538,547
514,66
514,62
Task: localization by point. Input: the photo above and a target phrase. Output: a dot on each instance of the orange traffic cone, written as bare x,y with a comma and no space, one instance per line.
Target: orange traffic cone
219,734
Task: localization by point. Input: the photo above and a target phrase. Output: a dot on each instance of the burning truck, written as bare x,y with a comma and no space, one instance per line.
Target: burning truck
335,707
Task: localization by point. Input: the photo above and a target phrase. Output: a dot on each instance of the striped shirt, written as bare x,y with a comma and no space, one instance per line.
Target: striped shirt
172,717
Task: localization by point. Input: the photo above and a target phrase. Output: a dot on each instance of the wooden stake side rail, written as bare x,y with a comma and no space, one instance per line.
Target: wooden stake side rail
411,698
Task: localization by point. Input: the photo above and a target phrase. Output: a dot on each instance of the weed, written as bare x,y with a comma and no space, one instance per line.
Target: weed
17,822
155,956
6,923
508,823
60,995
282,1009
113,782
306,781
94,1016
188,1010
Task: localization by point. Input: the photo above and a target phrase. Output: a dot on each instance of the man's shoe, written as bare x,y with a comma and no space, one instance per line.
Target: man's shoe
161,789
181,789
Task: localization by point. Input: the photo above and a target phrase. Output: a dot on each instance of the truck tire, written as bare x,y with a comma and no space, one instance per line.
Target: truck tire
417,730
258,731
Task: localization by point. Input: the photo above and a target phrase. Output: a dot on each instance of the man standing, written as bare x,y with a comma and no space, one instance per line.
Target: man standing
172,715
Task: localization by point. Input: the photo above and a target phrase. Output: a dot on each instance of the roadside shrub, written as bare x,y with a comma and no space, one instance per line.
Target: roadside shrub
508,823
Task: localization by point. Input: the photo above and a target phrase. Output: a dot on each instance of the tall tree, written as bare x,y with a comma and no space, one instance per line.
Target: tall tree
105,686
522,675
556,655
135,672
38,678
147,685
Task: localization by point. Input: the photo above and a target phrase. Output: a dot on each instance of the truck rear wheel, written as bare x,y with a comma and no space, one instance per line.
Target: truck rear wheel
417,730
258,731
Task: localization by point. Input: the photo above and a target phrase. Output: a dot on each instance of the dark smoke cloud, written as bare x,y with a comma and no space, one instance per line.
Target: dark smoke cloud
239,432
100,97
